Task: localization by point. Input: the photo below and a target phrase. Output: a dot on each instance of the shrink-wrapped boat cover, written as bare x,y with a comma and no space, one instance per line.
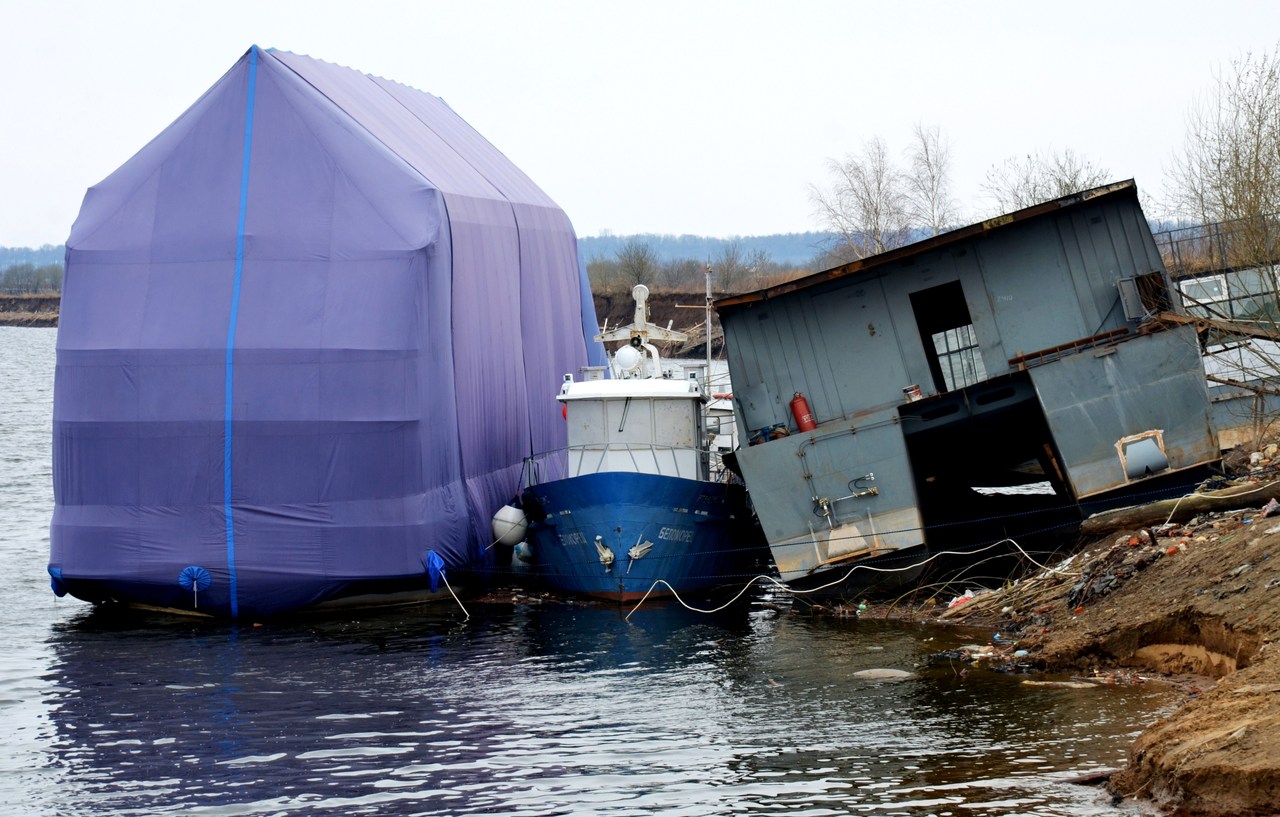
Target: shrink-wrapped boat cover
307,336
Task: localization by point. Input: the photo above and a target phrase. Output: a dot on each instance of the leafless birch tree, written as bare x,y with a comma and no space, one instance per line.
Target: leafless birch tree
1032,179
866,204
929,181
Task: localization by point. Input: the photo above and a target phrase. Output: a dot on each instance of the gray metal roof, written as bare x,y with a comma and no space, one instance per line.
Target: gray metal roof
1125,188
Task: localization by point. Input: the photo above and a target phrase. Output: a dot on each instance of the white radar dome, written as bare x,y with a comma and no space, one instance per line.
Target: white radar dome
628,358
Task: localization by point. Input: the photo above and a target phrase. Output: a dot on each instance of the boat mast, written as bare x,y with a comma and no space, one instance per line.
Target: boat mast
641,334
707,324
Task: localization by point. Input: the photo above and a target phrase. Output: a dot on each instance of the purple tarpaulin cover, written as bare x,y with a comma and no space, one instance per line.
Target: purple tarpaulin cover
307,334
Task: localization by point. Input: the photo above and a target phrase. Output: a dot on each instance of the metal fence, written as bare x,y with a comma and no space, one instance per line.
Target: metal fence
1223,245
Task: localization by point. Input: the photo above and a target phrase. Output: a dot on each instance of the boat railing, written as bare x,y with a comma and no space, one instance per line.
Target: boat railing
643,458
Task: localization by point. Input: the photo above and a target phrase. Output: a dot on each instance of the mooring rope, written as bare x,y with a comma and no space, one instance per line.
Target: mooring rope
455,595
793,591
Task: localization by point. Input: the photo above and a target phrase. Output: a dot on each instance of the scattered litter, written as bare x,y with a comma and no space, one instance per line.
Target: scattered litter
1110,570
996,658
965,597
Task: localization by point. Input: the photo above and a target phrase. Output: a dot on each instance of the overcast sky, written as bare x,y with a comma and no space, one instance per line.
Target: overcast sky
709,118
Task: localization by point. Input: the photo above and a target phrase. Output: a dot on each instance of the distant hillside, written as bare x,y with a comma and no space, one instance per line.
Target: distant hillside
38,257
796,249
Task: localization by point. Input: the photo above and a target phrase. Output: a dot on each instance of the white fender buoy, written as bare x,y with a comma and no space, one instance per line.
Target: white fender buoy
509,526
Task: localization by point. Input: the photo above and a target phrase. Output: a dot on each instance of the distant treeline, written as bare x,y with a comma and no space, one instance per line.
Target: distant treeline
788,249
21,279
26,269
613,261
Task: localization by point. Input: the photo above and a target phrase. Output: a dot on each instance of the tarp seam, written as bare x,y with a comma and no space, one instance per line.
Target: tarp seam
231,332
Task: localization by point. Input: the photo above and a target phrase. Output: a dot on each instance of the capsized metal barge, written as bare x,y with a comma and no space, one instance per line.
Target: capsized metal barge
1017,350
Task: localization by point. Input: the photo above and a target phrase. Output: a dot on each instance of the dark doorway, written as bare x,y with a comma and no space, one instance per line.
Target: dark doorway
946,330
986,470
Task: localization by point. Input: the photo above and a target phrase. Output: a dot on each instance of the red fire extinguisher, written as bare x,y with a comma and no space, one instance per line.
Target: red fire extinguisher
800,410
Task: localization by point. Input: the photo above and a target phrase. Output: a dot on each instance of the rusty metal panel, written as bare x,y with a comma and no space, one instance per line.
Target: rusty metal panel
811,494
837,346
1029,282
1094,400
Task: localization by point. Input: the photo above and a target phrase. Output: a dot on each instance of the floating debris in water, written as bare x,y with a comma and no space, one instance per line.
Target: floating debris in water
883,675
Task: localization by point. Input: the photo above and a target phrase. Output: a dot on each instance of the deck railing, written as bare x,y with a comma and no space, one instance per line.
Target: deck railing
645,458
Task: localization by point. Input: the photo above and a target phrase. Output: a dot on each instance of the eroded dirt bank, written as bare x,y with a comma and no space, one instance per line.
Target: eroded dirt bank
29,310
1196,599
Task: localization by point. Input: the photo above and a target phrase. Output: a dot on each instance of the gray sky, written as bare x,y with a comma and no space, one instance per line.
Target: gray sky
709,118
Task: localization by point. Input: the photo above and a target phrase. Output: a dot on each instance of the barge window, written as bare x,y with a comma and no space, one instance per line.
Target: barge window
959,358
950,342
1204,290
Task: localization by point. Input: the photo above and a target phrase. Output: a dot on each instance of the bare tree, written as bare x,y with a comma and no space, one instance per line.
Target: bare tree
602,273
730,267
759,267
681,275
928,181
1022,182
637,263
1229,167
866,203
1227,177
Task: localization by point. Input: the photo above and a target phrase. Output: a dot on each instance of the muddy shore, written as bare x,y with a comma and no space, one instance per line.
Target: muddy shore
29,310
1193,600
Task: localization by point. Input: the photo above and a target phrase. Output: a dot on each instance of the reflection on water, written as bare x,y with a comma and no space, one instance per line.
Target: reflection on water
557,708
525,708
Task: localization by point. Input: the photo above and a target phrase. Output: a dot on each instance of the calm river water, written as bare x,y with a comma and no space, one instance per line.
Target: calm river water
525,708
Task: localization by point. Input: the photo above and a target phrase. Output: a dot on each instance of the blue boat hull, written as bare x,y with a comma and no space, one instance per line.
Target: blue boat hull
702,535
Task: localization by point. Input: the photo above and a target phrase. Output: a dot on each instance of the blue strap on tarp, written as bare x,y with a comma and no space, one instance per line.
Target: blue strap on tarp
435,568
231,329
56,583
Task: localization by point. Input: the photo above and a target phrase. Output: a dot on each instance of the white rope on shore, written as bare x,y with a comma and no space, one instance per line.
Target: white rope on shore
793,591
1169,519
